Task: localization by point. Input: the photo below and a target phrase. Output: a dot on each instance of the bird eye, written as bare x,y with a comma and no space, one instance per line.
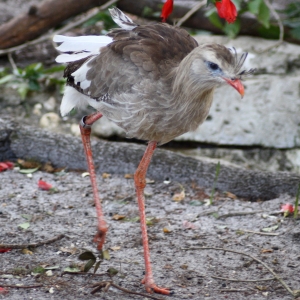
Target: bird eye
213,66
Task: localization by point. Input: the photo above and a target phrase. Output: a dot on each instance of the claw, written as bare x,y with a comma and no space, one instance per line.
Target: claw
152,287
100,238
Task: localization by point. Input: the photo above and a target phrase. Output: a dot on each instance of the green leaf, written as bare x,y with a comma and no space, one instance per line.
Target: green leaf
55,69
38,270
52,267
6,78
240,232
147,11
71,269
271,228
97,265
295,33
106,255
264,15
232,29
38,66
89,265
269,33
210,2
29,171
238,4
133,220
214,19
33,85
87,256
23,90
24,225
254,5
112,271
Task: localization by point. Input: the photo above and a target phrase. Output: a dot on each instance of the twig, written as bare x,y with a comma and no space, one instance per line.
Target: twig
108,284
21,286
243,280
240,213
13,64
281,28
261,233
210,212
251,256
190,12
92,12
233,290
83,273
19,246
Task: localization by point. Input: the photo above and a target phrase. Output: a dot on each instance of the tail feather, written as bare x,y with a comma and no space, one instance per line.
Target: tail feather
121,19
79,47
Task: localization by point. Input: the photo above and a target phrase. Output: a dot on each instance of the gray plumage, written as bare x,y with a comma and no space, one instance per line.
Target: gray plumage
154,81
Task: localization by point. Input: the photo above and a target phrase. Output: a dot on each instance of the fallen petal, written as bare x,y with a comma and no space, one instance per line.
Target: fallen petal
3,250
188,225
43,185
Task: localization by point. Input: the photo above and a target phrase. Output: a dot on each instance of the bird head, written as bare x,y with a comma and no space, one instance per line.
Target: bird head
214,65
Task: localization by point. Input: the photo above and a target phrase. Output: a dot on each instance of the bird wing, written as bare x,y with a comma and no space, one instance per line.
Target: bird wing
147,51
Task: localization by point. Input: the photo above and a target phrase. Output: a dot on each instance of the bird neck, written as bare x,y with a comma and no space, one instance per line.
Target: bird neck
189,90
191,97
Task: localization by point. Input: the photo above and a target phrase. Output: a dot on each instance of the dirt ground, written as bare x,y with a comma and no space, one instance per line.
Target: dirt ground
70,211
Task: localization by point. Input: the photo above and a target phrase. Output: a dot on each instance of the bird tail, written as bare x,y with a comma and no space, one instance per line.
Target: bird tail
76,48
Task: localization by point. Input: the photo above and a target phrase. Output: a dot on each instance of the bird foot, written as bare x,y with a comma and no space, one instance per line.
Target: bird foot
99,238
152,287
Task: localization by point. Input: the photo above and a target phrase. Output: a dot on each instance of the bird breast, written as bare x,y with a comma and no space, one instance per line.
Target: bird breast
153,112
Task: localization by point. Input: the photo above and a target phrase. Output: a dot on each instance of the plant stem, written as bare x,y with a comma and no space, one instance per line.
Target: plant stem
215,182
297,203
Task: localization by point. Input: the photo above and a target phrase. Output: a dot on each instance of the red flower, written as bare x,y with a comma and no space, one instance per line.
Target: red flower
226,10
43,185
166,10
287,208
6,166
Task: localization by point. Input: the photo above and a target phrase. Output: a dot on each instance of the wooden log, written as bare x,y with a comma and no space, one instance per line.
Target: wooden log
39,19
21,141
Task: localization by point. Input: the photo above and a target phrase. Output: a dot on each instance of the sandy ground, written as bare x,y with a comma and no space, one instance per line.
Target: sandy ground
70,211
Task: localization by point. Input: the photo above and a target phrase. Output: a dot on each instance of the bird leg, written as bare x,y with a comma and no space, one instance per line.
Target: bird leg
140,183
85,129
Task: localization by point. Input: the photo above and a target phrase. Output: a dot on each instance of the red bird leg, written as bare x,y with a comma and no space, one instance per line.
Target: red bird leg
140,183
85,129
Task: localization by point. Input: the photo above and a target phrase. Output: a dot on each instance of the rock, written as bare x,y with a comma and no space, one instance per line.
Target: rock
50,120
75,129
37,109
26,142
50,104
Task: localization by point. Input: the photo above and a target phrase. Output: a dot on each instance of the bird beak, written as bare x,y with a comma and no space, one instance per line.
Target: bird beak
237,84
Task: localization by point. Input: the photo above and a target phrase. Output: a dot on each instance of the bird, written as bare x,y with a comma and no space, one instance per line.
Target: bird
155,82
